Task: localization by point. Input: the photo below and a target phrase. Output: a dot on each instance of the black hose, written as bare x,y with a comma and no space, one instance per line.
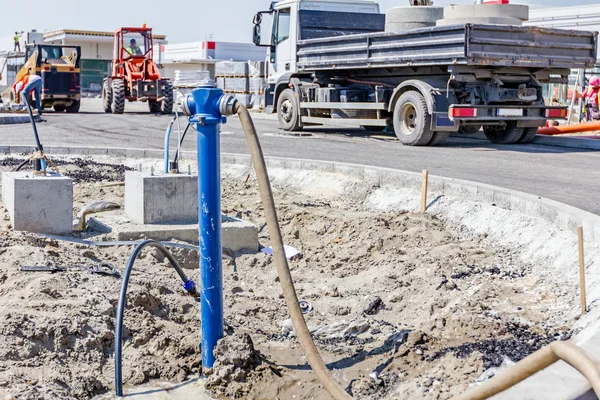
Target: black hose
176,159
188,285
35,132
24,163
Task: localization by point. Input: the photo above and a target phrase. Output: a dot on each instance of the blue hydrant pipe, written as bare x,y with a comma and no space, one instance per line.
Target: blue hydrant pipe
167,140
204,107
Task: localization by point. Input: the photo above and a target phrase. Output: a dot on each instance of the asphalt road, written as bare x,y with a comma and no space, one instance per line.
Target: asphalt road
570,176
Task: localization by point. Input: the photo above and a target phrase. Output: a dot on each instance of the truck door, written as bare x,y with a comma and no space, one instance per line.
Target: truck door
284,40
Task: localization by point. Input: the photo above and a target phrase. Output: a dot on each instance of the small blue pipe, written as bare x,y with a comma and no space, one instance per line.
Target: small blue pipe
208,121
167,141
43,164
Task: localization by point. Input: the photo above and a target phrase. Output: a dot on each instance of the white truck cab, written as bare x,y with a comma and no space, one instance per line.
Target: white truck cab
290,25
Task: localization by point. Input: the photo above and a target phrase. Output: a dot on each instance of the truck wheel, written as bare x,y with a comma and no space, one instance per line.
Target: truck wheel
154,106
508,134
288,111
439,138
469,129
74,107
118,96
106,97
166,105
59,108
412,120
529,135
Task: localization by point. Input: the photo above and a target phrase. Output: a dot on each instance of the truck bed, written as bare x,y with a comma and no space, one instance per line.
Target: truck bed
468,44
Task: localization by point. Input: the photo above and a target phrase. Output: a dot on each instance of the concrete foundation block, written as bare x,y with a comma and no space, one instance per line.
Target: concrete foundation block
236,235
161,199
43,204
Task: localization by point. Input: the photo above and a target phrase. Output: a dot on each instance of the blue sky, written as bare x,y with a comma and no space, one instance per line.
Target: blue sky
184,21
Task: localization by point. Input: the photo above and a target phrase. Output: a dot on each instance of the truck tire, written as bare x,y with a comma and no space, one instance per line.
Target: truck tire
412,120
288,112
74,107
154,106
439,138
59,108
469,129
508,134
106,97
529,135
118,96
166,105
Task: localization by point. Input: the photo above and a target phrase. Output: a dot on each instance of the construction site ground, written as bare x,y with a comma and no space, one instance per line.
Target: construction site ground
403,304
567,175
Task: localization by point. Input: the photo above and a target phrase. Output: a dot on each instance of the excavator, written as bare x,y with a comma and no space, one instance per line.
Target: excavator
135,76
58,66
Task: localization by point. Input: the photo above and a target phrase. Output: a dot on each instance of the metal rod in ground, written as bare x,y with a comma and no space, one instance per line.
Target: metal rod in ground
582,270
209,219
424,191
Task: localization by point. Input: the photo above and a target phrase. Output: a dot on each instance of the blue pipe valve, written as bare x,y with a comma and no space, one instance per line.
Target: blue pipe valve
208,107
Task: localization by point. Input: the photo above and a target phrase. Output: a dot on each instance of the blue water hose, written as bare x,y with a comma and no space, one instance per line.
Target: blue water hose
188,285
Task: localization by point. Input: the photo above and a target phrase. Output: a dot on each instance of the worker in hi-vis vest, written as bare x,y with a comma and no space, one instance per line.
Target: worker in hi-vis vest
134,49
17,42
25,86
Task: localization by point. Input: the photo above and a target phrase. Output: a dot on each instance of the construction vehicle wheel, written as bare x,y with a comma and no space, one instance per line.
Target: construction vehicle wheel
118,96
508,134
288,112
106,97
439,138
59,108
166,105
154,106
529,135
74,107
412,120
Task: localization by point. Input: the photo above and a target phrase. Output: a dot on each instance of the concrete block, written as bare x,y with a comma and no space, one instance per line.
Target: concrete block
161,199
43,204
422,14
407,26
236,235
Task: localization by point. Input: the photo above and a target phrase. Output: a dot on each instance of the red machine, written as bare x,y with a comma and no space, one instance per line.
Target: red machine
135,76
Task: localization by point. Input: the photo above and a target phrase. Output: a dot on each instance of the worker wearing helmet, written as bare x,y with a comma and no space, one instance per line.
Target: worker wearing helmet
26,85
591,98
134,49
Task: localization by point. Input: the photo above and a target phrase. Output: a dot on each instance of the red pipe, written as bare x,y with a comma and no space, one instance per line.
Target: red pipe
575,128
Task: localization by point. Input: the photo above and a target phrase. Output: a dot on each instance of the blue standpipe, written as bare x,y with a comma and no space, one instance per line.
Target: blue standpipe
206,106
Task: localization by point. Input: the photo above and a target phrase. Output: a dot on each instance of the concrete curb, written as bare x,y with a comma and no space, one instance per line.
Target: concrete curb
562,215
9,119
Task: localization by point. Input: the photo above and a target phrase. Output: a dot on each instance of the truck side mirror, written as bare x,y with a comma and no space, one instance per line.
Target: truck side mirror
256,36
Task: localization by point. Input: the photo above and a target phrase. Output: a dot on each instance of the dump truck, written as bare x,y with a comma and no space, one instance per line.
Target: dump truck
135,76
330,62
58,66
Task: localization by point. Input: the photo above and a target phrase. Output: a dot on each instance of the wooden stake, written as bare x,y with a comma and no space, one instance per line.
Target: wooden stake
424,191
582,271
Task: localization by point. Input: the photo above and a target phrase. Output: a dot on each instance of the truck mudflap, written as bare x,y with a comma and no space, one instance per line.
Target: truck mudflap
442,123
499,113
